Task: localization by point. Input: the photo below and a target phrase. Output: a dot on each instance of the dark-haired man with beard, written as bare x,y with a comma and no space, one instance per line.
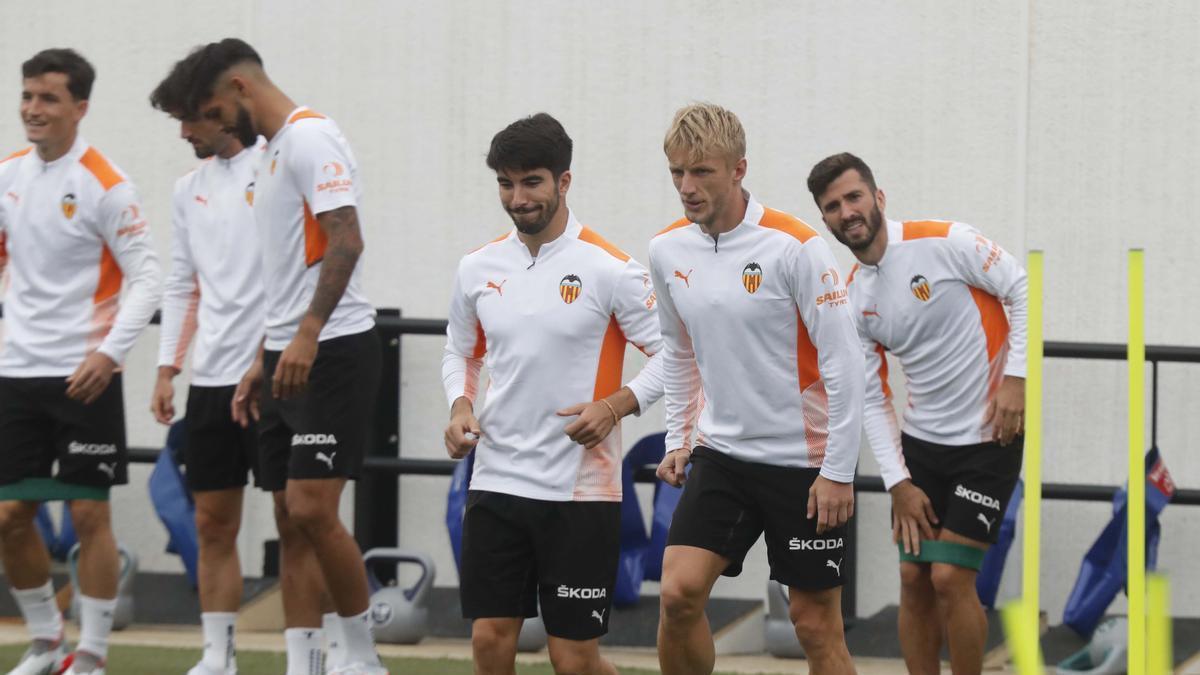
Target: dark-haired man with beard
319,370
934,294
549,307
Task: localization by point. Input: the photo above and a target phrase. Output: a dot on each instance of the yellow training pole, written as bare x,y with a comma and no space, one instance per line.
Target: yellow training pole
1022,645
1032,542
1158,625
1137,472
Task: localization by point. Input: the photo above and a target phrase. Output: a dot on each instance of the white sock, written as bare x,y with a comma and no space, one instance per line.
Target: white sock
218,639
42,618
335,644
304,650
360,644
95,625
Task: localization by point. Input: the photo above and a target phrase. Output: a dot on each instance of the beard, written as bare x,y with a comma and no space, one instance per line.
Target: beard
244,129
873,223
549,210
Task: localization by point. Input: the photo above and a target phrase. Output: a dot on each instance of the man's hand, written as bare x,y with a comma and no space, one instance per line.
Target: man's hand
162,401
244,406
295,363
1006,412
832,503
595,422
91,378
673,467
462,434
913,518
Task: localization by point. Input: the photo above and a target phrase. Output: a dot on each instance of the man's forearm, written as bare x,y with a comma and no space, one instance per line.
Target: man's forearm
341,255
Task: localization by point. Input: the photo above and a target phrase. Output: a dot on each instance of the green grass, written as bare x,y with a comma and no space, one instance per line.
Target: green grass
170,661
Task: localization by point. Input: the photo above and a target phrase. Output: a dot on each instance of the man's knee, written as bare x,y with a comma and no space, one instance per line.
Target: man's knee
570,657
311,513
91,518
914,576
214,527
492,638
951,581
817,618
16,518
683,598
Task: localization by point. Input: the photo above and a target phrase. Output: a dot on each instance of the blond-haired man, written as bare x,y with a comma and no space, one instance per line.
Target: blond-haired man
764,394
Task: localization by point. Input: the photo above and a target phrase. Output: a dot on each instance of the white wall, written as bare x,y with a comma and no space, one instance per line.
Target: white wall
1053,124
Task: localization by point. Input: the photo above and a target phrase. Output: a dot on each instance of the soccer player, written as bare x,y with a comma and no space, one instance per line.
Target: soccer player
549,307
764,386
213,295
319,370
934,294
71,231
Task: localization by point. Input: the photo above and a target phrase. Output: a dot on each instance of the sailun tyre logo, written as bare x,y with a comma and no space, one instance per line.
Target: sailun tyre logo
920,288
569,288
752,277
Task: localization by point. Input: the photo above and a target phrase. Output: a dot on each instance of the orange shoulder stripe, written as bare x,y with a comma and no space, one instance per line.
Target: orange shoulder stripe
19,153
99,167
787,223
682,222
589,235
500,238
304,115
850,278
924,229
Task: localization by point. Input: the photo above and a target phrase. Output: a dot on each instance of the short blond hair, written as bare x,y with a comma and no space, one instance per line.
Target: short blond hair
706,130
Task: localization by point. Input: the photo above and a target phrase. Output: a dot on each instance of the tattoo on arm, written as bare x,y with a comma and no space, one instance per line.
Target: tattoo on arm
344,246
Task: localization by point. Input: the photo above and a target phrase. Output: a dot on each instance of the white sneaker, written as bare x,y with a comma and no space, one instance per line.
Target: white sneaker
203,668
49,662
70,662
359,668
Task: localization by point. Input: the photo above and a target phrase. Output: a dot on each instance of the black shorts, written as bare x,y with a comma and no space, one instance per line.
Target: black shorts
323,432
727,503
969,485
217,451
517,550
40,426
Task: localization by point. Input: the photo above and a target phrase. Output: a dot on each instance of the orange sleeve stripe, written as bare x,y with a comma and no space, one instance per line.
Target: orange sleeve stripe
589,235
19,153
995,323
109,283
924,229
314,238
612,361
778,220
806,356
883,370
99,167
305,115
500,238
682,222
480,342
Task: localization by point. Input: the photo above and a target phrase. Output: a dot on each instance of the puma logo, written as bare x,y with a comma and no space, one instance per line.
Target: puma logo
109,469
681,275
500,288
202,200
986,523
837,566
15,197
872,312
328,459
598,615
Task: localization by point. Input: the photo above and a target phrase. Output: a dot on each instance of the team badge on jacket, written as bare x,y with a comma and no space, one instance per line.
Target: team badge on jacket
250,193
752,277
920,288
68,205
569,288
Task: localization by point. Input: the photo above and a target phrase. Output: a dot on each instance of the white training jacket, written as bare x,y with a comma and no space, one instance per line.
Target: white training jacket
552,331
214,292
72,232
760,355
937,300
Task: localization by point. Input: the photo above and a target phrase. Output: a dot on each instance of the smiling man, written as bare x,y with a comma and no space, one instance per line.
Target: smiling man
549,307
764,385
319,371
934,294
71,232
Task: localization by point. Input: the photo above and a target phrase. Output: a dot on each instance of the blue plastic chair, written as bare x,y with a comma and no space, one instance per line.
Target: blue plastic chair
987,584
173,502
635,541
456,505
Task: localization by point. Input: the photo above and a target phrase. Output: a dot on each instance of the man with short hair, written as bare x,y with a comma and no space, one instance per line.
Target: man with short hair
550,307
213,294
764,385
934,294
71,232
319,370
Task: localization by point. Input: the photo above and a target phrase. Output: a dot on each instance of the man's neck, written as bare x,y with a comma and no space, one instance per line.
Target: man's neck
872,254
49,151
558,225
232,150
732,216
274,111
